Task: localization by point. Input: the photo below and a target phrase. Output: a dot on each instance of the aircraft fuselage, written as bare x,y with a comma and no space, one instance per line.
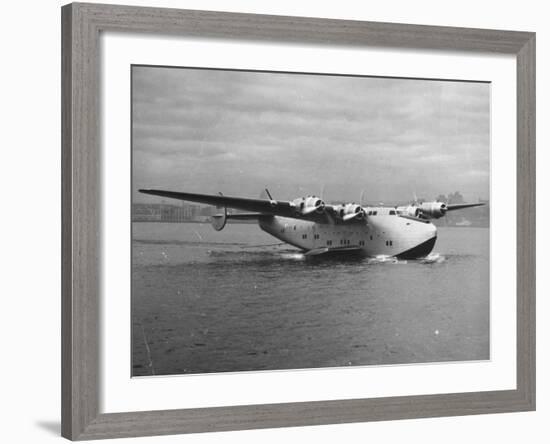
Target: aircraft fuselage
381,234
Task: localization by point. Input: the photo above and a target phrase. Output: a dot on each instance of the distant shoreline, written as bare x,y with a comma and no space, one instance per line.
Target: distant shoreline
252,222
191,221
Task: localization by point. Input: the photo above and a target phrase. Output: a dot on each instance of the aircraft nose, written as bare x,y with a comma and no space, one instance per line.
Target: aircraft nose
431,230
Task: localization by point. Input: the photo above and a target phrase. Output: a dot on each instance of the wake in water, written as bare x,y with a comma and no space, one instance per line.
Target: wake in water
199,243
275,252
433,258
385,259
293,256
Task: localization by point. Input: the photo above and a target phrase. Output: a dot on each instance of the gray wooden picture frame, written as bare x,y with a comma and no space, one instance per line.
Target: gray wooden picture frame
81,166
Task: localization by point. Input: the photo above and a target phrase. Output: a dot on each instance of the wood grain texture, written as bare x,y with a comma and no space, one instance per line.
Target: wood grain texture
81,236
526,221
300,29
66,223
80,220
299,414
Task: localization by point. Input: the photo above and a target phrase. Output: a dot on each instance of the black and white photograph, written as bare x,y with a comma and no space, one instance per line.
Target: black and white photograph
240,222
288,220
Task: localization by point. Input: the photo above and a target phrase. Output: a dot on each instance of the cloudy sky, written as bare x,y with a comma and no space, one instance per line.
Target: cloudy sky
238,131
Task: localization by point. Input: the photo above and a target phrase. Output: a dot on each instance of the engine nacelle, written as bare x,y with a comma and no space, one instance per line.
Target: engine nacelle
412,211
433,210
308,205
351,211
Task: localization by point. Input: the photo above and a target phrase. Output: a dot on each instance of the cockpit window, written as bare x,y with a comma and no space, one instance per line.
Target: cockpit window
392,212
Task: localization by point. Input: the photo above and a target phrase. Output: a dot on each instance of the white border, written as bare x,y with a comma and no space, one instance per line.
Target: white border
121,393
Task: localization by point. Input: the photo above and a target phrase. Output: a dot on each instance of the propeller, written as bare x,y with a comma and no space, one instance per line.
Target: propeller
319,206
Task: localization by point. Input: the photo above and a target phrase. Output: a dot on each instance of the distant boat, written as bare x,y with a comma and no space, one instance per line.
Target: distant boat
463,223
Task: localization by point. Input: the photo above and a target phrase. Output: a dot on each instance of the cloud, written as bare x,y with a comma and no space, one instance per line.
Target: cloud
238,131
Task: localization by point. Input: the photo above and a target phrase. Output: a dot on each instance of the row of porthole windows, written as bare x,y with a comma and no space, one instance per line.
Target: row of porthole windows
315,236
374,213
347,241
342,241
294,228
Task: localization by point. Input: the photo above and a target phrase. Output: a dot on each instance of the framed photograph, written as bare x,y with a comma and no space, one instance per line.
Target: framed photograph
278,221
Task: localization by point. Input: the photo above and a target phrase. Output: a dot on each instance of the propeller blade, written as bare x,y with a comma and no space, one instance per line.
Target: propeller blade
358,215
310,210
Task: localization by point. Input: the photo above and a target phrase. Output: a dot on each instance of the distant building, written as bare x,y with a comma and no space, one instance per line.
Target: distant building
146,213
455,198
166,213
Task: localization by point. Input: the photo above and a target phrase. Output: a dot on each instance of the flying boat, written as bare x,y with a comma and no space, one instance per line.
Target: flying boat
317,228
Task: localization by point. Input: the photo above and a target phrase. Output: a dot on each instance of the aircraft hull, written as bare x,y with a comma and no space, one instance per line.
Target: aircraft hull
383,235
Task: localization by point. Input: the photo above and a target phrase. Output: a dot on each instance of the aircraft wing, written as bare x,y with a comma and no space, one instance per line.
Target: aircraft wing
263,206
462,206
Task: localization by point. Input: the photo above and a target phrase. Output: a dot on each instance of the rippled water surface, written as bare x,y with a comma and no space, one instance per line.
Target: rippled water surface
237,300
